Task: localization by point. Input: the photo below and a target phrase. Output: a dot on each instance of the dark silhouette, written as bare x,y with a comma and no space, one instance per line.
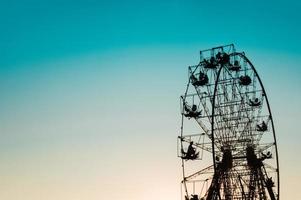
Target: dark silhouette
262,127
203,80
256,102
211,64
191,112
235,66
266,156
193,197
191,154
245,80
223,58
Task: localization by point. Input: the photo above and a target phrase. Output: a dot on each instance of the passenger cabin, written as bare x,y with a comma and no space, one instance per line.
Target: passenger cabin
245,80
191,153
254,102
262,127
235,67
211,64
192,112
223,58
201,81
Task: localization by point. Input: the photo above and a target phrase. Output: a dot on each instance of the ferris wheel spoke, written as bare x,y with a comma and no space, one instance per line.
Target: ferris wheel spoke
207,170
241,109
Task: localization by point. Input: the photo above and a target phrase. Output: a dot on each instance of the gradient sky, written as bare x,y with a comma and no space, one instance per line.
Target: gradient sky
90,91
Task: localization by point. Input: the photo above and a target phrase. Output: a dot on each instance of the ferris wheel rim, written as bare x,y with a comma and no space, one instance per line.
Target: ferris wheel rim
242,55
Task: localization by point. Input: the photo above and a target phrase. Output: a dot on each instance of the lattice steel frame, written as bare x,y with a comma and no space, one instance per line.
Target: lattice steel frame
243,172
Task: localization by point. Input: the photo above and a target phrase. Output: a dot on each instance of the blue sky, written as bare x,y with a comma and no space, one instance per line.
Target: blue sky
50,29
90,91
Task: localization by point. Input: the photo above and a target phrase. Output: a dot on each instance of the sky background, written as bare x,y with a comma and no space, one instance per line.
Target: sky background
89,91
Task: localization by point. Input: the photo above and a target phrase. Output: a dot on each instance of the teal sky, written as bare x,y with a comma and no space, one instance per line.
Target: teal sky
90,91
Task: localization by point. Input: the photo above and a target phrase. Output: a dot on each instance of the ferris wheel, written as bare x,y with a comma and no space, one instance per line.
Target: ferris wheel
227,143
